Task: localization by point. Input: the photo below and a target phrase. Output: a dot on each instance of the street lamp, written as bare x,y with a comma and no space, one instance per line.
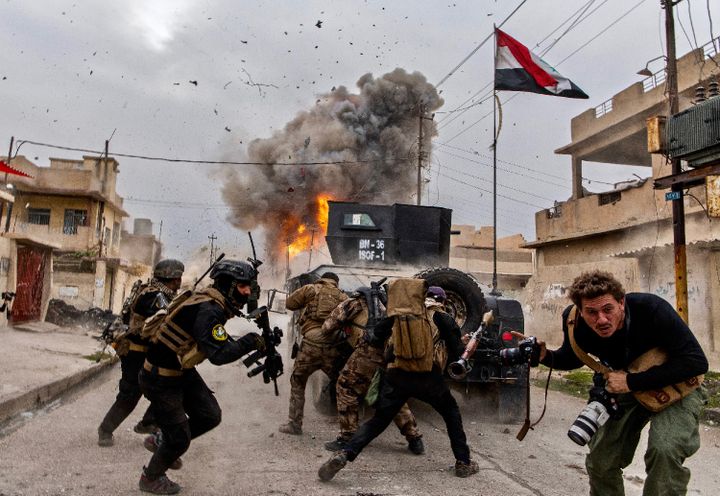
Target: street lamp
647,72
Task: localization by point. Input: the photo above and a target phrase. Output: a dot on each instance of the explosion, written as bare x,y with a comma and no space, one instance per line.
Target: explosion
347,147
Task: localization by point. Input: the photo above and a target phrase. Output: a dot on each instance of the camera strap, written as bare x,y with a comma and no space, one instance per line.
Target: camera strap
579,352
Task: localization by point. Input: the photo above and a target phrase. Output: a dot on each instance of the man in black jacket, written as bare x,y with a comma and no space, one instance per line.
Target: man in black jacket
183,404
166,280
400,385
618,328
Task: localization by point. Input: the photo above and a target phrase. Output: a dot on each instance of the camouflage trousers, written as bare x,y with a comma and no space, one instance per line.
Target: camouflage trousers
310,358
353,384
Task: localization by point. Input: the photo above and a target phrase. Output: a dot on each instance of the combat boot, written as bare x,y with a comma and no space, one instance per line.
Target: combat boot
466,469
291,428
105,438
331,467
338,444
416,446
152,442
158,485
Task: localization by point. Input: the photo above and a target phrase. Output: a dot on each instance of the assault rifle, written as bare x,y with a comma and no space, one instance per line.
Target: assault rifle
272,368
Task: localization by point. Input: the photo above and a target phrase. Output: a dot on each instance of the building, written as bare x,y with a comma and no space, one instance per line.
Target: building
141,246
471,251
628,230
73,207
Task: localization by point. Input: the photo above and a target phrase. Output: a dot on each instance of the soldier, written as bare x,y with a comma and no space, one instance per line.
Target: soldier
317,351
355,317
131,347
192,330
412,373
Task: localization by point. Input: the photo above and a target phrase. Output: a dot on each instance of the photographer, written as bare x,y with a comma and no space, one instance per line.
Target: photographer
618,328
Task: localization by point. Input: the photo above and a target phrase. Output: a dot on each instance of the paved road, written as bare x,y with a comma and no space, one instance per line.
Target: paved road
55,452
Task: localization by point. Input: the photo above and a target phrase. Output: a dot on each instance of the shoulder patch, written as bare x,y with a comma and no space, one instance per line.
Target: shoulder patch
219,333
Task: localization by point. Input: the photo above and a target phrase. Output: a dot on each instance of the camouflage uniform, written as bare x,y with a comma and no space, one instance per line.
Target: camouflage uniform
356,376
317,352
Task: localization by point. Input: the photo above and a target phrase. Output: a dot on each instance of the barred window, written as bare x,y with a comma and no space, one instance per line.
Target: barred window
40,216
73,219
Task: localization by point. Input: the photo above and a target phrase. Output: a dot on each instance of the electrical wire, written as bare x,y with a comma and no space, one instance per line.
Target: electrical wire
208,162
462,62
452,178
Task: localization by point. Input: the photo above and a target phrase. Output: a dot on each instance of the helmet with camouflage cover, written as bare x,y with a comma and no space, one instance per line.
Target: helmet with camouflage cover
169,269
226,275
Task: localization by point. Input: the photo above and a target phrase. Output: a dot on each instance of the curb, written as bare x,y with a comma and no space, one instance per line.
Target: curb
711,414
42,395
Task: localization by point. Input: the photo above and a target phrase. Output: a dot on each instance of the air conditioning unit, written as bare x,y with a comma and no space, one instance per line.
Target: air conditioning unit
694,134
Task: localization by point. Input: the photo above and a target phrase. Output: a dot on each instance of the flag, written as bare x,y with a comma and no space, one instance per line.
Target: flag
518,69
11,170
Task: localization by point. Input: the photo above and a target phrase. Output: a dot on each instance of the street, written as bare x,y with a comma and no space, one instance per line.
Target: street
55,451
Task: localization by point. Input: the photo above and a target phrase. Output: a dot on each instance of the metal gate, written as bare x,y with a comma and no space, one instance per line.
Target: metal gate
31,264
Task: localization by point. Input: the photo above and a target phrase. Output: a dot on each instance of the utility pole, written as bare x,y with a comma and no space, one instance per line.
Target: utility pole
312,242
212,239
420,153
287,259
9,156
678,206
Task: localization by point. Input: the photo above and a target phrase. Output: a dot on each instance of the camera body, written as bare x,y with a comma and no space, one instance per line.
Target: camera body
526,351
601,407
8,295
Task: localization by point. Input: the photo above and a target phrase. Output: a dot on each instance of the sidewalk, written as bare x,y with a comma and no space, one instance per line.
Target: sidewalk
41,363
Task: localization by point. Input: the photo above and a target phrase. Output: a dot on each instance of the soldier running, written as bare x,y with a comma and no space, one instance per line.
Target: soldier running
356,318
131,347
317,351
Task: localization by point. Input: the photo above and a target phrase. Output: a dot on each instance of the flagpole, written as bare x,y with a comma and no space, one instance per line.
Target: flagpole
494,276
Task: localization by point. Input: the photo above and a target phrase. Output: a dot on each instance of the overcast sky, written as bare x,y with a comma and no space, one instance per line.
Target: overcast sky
201,79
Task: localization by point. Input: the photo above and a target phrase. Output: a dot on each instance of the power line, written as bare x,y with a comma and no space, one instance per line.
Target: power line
208,162
462,62
488,191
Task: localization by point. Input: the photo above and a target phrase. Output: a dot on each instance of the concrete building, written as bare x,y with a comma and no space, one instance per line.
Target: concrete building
628,230
73,206
471,251
141,246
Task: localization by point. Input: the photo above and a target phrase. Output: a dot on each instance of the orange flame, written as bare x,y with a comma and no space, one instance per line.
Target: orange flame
299,237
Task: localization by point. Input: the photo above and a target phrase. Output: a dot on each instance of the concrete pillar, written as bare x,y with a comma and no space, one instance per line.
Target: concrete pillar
577,188
99,289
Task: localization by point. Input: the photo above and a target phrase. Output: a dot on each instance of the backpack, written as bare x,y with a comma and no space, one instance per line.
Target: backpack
126,312
412,332
326,299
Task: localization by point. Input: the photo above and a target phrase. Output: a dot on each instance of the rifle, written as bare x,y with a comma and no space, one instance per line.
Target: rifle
272,368
108,335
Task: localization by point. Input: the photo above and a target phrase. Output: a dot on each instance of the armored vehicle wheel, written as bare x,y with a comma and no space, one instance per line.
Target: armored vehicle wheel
465,300
322,393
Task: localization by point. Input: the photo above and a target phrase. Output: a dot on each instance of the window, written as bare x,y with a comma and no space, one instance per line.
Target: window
361,220
40,216
116,233
73,219
607,198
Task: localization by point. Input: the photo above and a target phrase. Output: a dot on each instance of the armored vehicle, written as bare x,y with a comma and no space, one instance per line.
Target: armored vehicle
371,242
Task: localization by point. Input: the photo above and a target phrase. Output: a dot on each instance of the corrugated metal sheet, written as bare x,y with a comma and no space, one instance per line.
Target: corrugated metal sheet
694,134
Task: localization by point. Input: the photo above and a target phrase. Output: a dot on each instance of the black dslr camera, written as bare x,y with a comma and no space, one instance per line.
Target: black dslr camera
526,351
8,296
601,406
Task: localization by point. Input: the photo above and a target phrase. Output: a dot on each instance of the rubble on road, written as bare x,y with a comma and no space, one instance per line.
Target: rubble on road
66,315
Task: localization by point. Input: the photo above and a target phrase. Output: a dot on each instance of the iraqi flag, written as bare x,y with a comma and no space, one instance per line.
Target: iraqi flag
518,69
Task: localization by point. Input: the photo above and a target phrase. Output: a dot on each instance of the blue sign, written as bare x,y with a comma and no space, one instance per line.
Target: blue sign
673,195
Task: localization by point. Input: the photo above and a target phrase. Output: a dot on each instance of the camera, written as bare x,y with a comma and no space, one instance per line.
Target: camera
526,351
601,406
8,296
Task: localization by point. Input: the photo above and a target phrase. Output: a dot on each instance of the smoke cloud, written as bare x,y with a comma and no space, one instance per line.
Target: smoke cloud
371,138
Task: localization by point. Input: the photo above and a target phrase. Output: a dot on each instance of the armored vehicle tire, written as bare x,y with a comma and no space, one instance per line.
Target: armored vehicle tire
465,300
322,393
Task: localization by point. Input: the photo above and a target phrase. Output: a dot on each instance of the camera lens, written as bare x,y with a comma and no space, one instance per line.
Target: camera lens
590,419
511,356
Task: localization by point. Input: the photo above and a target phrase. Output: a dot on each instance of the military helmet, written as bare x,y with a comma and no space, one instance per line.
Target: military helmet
436,293
237,270
169,269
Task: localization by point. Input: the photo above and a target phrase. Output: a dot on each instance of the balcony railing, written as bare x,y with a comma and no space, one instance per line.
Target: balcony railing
604,108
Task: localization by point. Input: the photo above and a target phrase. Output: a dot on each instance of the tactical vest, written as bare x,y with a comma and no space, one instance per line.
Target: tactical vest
326,298
356,328
137,320
440,353
169,333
